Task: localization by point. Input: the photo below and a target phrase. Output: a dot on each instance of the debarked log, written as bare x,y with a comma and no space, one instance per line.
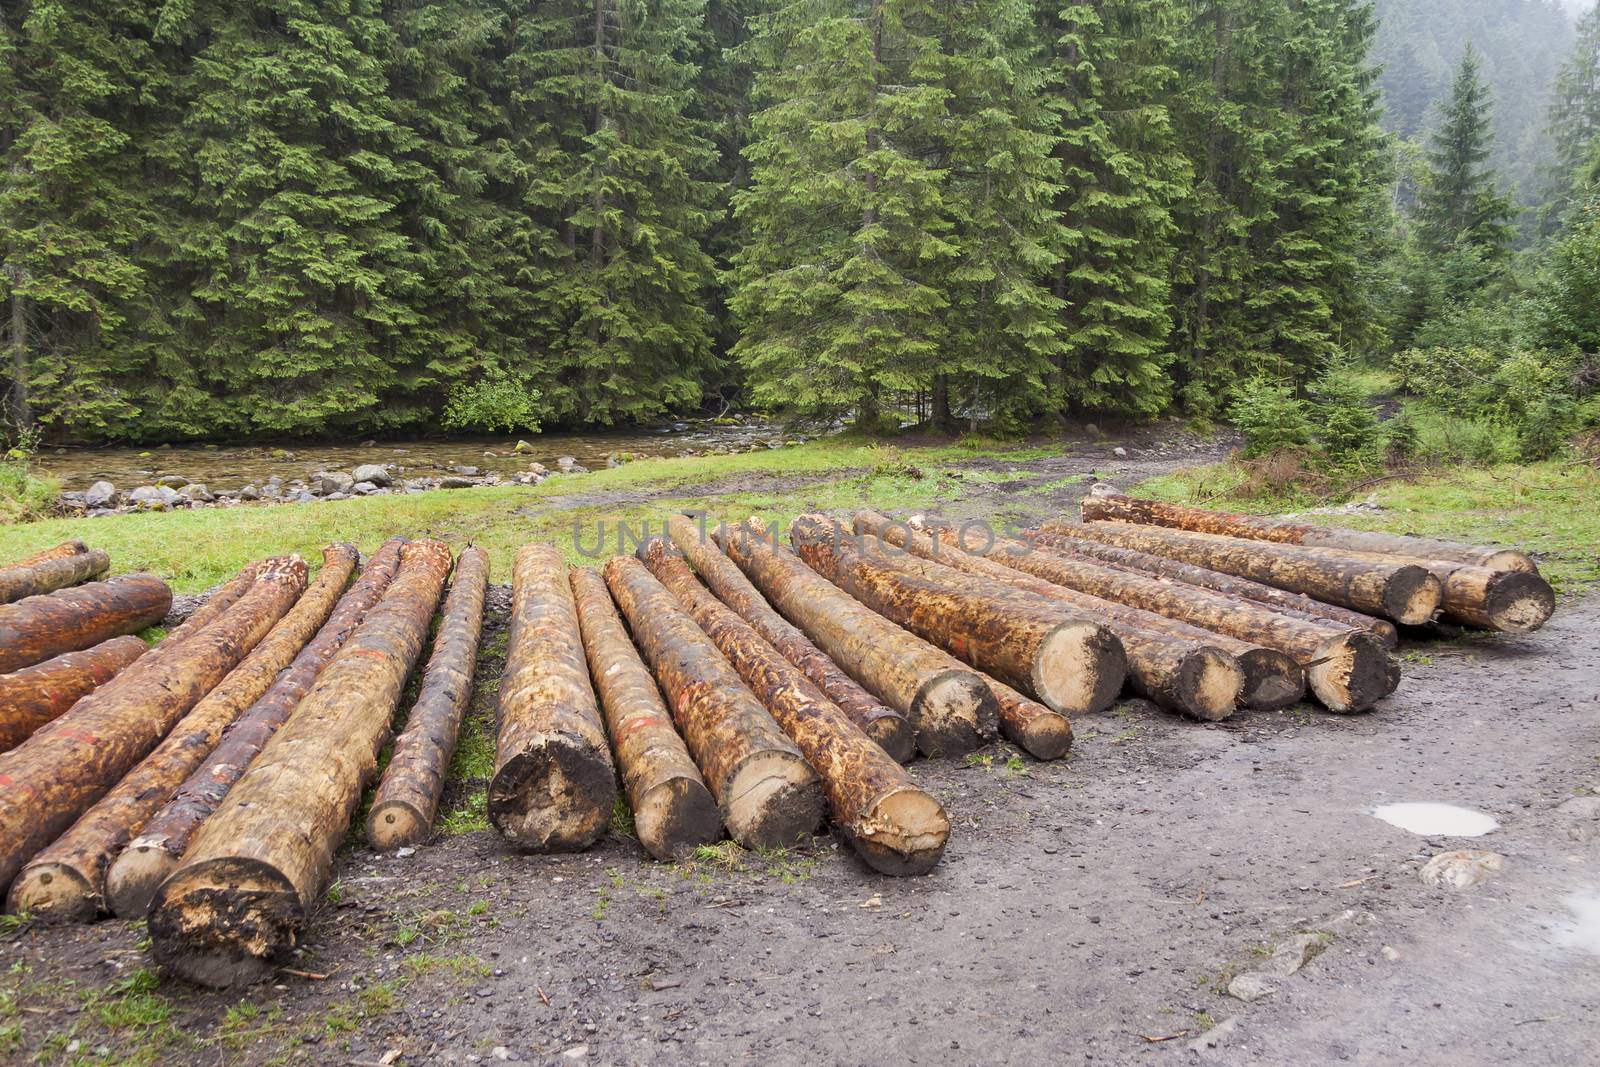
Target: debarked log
46,576
243,891
61,551
38,628
35,695
768,795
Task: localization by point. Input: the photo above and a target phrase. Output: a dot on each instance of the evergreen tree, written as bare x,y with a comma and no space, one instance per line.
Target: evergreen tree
1461,205
1574,118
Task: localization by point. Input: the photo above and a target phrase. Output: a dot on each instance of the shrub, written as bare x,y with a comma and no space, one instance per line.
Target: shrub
1346,426
492,405
1271,418
24,495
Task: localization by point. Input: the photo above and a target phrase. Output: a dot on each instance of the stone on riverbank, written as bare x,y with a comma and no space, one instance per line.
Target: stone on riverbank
375,473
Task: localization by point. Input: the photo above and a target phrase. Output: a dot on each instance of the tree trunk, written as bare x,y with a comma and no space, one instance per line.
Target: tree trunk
1071,664
1189,672
35,695
59,772
50,575
1176,516
154,854
887,727
673,811
896,827
61,551
1297,604
408,795
21,408
1405,593
554,785
948,705
768,795
67,880
38,628
247,883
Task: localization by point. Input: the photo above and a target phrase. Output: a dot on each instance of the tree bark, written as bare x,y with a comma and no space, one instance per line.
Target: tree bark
61,551
768,795
154,854
67,880
884,725
1404,593
1296,604
59,772
895,827
220,600
673,811
49,575
247,883
948,705
1070,664
35,695
408,795
554,785
38,628
1176,516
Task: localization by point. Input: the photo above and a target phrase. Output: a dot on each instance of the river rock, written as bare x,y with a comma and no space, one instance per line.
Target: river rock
172,481
250,492
1120,452
1462,868
330,482
467,472
196,492
523,448
375,473
363,488
566,463
153,497
454,481
101,494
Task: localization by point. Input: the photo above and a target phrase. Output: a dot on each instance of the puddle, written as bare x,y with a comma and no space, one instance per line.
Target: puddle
1436,820
1583,930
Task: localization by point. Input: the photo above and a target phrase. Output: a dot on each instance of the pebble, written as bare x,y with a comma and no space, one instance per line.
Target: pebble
1251,987
1462,869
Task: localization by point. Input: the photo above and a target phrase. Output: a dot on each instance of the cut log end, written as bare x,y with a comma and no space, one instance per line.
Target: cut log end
1080,668
676,817
393,824
1047,737
553,797
904,833
1519,602
1352,672
895,736
1507,559
1272,679
222,923
135,876
1412,597
53,892
772,800
1209,683
954,713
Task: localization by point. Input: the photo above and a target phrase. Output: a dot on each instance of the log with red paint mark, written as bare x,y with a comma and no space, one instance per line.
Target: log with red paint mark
35,695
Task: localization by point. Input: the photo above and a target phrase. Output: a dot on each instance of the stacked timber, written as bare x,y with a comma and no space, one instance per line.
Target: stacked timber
673,811
1495,589
949,706
887,727
154,854
1071,664
38,628
66,881
57,568
768,795
241,895
35,695
896,827
554,784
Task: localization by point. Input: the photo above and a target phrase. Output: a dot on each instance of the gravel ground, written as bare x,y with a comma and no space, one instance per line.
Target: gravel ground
1093,910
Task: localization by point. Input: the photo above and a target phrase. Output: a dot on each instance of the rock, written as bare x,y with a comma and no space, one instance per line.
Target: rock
1120,452
612,462
301,497
375,473
1216,1036
467,472
172,481
337,496
101,494
1389,953
577,468
369,444
523,448
417,485
538,468
363,488
451,481
1462,869
276,479
1251,987
1293,954
330,482
147,497
198,493
250,492
566,463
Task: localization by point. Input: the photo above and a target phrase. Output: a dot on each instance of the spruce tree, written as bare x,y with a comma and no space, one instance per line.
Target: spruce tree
1461,207
1574,118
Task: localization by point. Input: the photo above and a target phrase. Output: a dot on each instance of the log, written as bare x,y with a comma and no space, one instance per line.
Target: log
1072,665
1117,508
154,854
38,628
893,825
554,784
221,599
67,880
1406,593
1191,671
1037,730
57,774
1296,604
951,709
61,551
35,695
245,887
673,811
768,795
46,576
887,727
408,794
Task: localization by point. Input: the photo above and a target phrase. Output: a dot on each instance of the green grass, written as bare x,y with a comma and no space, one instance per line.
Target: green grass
24,495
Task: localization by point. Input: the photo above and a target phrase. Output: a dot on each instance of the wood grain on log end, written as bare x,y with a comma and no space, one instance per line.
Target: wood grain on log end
1080,668
1352,673
1047,737
1211,682
1518,602
676,816
954,713
1272,679
553,796
393,824
141,869
221,922
773,800
53,892
895,736
1413,596
904,833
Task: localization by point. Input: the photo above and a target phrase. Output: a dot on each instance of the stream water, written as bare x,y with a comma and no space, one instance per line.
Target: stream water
228,468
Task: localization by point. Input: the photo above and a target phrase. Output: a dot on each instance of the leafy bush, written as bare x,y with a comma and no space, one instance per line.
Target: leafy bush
1455,440
24,495
1270,417
1532,396
492,405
